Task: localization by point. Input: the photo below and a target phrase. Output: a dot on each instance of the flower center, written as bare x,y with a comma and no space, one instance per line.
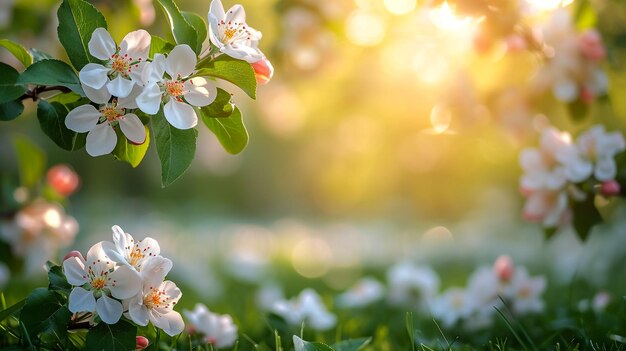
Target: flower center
98,283
156,299
121,64
232,32
175,88
135,256
111,112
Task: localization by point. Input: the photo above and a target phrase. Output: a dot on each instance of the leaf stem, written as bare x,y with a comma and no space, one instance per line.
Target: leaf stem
34,93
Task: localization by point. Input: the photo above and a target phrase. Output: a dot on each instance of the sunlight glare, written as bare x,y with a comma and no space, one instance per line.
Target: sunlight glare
365,28
400,7
444,18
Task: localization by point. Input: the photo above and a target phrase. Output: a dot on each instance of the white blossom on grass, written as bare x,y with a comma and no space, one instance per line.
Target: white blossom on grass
178,90
363,293
525,292
123,63
308,308
229,32
412,285
217,330
97,284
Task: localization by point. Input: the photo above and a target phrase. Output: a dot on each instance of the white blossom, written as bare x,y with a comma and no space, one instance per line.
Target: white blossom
363,293
412,285
229,32
218,330
98,284
308,308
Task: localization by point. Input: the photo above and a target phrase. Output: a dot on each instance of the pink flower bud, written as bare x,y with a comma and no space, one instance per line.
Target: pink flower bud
63,179
516,43
482,41
586,95
141,343
74,253
263,70
590,45
503,267
610,188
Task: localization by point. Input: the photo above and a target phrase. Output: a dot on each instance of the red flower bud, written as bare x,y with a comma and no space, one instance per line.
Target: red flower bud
63,179
504,267
141,343
263,70
610,188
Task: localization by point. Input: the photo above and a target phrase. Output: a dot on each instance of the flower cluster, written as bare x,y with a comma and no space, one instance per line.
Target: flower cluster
489,288
124,277
572,70
555,172
129,80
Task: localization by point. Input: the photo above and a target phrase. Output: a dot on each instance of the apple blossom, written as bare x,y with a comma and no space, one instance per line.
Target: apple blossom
599,148
307,308
100,123
452,306
217,330
504,268
123,66
155,303
412,285
141,342
97,284
525,292
178,90
229,32
363,293
136,254
610,188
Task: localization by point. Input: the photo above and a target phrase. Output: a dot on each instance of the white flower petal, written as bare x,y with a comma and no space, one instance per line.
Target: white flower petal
137,72
94,75
171,323
82,119
113,253
181,61
81,300
101,140
200,91
236,14
109,310
132,128
101,44
128,282
74,269
565,90
149,101
120,87
152,72
136,44
130,102
180,114
241,52
99,96
217,9
154,270
138,311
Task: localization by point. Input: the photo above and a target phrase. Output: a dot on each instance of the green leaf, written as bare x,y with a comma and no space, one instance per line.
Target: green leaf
11,310
230,131
18,51
578,110
221,107
117,337
57,279
51,118
45,312
51,73
301,345
11,110
39,55
183,32
235,71
586,215
176,148
129,152
9,91
585,16
159,45
77,21
31,160
548,233
199,25
352,344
